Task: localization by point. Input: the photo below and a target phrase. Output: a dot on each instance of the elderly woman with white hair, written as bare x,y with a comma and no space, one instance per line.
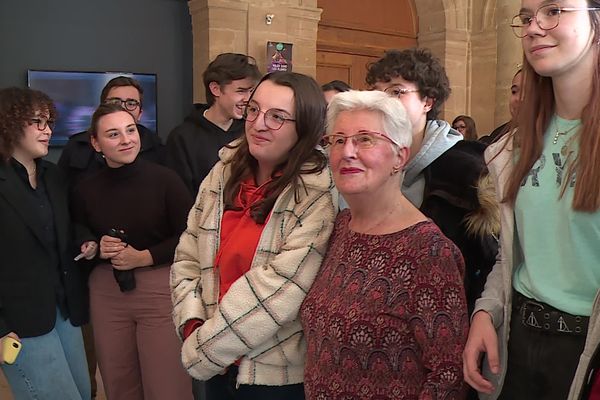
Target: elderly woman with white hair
386,317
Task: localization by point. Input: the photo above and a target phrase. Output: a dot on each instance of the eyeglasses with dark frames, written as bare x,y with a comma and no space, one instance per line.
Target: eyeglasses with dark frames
128,104
396,91
362,140
547,17
273,117
42,123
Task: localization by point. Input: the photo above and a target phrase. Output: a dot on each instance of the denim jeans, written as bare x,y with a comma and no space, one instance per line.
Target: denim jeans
51,367
540,365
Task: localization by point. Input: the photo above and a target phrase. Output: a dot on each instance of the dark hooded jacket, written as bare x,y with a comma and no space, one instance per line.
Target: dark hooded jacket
458,196
193,146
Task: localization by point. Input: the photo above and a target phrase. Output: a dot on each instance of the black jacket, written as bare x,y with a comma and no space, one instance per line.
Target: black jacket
27,294
79,159
193,147
460,199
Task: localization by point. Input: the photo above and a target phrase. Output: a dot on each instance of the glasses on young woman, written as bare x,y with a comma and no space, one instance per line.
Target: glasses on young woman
42,123
128,104
362,140
274,118
547,17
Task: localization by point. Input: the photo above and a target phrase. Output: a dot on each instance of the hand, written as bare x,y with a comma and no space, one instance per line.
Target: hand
482,339
110,247
130,258
89,249
12,335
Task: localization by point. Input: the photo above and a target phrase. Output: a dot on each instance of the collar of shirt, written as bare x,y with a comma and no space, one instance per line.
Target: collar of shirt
22,173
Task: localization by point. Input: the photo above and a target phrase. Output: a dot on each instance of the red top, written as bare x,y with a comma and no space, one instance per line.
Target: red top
239,236
386,317
239,239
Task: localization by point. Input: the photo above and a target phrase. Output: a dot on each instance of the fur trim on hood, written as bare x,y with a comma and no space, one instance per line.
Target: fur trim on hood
485,220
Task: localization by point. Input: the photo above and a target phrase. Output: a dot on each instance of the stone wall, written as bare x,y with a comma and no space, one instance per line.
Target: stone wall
241,26
474,40
471,37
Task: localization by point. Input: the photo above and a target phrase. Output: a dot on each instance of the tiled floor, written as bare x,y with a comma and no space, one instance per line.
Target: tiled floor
5,391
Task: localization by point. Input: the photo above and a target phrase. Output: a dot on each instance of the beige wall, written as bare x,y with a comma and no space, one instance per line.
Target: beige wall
240,26
479,51
471,37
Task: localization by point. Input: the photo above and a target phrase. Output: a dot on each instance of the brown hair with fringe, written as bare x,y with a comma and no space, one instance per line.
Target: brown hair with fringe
535,113
469,124
303,158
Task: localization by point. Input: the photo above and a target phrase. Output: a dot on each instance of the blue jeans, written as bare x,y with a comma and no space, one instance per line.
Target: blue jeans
50,367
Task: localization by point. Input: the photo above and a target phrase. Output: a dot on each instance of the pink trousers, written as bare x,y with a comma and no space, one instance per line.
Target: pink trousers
137,349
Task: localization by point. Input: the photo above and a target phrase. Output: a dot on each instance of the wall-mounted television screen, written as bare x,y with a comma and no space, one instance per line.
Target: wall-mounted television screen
77,94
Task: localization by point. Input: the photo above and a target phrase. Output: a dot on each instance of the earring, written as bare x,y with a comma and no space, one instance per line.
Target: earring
395,170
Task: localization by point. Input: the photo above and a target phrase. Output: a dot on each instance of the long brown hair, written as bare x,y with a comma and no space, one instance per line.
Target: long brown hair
535,113
304,157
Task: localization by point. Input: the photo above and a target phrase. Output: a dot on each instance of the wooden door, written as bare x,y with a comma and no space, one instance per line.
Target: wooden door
353,33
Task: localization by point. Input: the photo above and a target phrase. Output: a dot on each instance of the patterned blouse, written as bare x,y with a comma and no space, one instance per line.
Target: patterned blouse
386,317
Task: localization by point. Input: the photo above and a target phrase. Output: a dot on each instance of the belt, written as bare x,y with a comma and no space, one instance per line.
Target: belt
545,318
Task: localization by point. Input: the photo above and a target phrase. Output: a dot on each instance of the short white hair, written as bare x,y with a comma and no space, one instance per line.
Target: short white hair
395,120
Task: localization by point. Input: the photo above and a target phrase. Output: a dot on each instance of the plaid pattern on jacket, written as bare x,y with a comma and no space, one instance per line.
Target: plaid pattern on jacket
257,320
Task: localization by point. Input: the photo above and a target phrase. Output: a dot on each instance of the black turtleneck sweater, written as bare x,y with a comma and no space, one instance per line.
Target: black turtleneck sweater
148,201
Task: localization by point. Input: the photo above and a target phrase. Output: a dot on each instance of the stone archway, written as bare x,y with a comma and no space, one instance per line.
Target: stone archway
474,41
471,37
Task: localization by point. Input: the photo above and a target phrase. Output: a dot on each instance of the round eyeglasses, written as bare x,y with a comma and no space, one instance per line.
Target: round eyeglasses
547,17
42,123
128,104
274,118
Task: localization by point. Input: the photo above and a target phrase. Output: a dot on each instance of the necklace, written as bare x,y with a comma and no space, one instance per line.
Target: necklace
559,133
32,172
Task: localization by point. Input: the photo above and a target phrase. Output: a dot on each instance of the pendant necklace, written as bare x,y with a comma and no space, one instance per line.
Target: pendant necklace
565,150
559,133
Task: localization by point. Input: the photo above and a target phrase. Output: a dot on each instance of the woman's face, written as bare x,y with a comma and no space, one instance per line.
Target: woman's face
118,139
515,94
364,170
34,142
268,145
565,49
460,126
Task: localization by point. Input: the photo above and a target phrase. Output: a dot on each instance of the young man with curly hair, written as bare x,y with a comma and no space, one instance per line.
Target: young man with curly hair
443,175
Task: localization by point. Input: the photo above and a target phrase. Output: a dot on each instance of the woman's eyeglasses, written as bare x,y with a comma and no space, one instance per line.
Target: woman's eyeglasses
42,123
363,140
547,17
274,118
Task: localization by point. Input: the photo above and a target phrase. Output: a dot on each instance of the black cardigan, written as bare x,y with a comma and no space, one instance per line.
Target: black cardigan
27,295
